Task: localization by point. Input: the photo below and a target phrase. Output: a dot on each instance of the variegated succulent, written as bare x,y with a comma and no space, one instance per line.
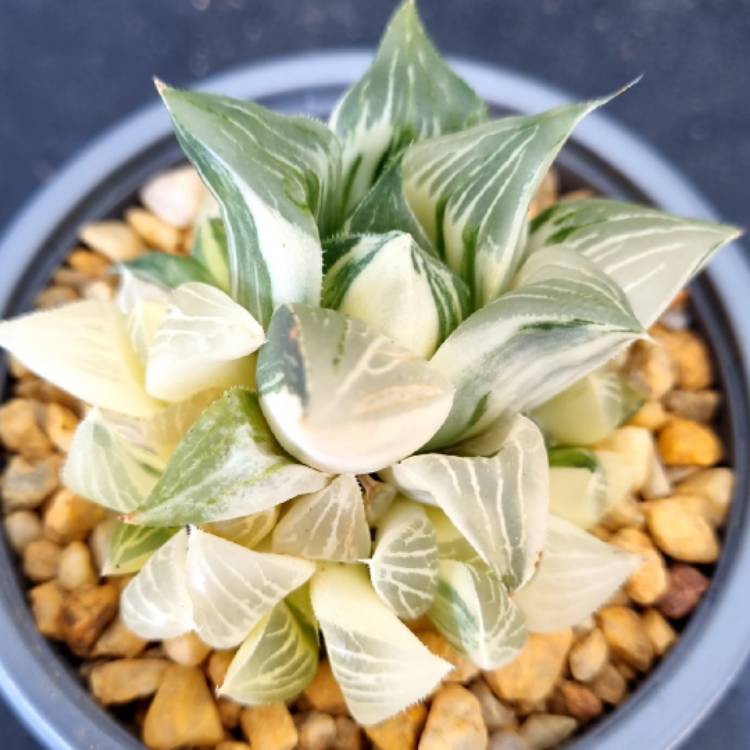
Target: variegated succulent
335,415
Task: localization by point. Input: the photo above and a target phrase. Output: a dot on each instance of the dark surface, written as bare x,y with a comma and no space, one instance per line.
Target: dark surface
70,69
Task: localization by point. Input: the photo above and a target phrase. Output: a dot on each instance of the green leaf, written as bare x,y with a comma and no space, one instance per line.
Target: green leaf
499,504
380,665
341,398
210,250
104,468
577,575
476,616
155,604
329,524
408,93
168,270
247,530
228,465
565,319
451,543
276,179
388,282
587,411
129,547
471,191
275,663
232,588
650,254
403,568
578,458
83,348
203,341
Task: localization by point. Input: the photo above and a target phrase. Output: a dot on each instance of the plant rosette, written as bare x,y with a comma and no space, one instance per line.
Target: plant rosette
374,391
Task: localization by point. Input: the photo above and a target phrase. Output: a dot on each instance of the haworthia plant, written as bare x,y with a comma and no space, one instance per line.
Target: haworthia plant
320,422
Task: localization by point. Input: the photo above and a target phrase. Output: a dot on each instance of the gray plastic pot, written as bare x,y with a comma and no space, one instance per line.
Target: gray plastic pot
40,682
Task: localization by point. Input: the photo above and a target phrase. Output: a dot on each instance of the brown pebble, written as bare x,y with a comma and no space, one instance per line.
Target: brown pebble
88,263
186,649
589,656
22,528
682,533
156,233
20,428
463,671
699,406
454,721
26,485
400,732
690,354
75,568
626,636
217,666
229,712
119,640
651,415
324,693
504,739
232,745
69,517
716,485
269,727
581,702
41,560
650,369
55,296
545,731
609,685
317,731
686,587
661,634
60,424
47,606
115,240
348,734
683,442
86,613
649,581
126,680
494,712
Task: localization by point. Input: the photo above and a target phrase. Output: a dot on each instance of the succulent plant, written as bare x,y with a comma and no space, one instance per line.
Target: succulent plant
331,418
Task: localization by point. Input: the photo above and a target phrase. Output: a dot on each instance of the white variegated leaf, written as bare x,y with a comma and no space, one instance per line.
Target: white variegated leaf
276,179
403,568
451,543
500,503
378,497
248,530
203,341
476,616
577,575
133,289
83,348
155,604
341,398
577,486
650,254
129,547
565,319
228,465
380,665
210,250
408,93
471,191
104,468
399,290
329,524
275,663
232,588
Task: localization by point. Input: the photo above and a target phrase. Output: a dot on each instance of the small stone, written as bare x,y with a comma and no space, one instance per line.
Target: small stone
401,731
87,611
232,745
60,424
44,391
582,704
186,649
626,636
650,580
690,354
681,533
154,232
684,442
348,734
533,674
463,671
494,713
99,290
628,513
16,368
651,415
698,505
628,672
589,656
88,263
504,739
269,727
317,731
99,542
686,587
454,722
70,277
115,240
636,445
41,560
70,518
661,634
230,712
609,685
75,568
716,485
22,528
119,640
543,731
126,680
699,406
55,296
47,606
650,369
324,693
20,430
175,196
183,713
26,485
218,664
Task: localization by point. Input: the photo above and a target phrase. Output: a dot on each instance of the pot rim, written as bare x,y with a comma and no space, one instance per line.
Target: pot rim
678,693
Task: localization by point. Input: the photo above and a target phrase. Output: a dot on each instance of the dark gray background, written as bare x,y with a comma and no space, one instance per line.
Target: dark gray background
71,68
